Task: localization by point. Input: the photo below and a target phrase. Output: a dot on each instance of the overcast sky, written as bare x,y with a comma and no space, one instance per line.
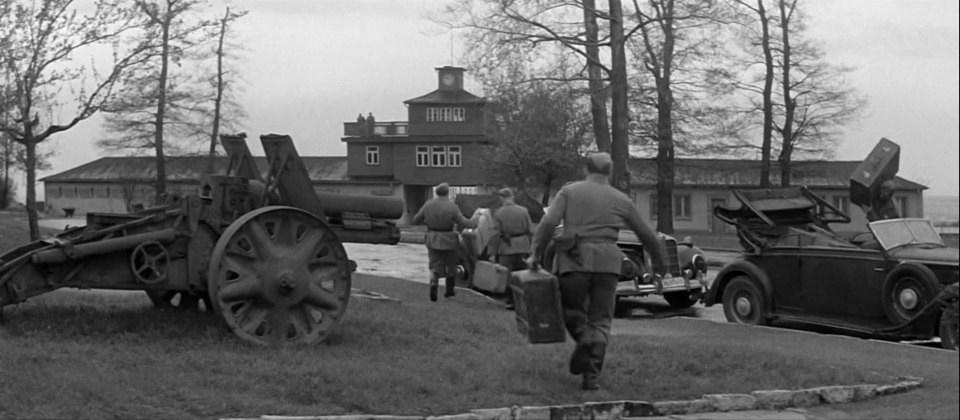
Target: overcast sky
314,64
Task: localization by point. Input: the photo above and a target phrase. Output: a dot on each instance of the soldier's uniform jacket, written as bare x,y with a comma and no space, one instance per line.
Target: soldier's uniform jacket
442,217
512,222
593,213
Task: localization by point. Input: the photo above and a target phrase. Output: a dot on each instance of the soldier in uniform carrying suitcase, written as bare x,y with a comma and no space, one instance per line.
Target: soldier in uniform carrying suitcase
442,217
588,260
513,229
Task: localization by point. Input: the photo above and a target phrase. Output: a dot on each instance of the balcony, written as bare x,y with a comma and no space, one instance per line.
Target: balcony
385,128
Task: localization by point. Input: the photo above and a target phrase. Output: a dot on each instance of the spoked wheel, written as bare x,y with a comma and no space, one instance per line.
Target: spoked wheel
279,276
171,299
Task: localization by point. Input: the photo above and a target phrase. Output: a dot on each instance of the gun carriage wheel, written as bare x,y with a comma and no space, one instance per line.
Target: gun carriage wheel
278,276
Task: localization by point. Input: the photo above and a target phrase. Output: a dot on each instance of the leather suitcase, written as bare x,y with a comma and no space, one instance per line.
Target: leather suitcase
490,277
880,165
536,296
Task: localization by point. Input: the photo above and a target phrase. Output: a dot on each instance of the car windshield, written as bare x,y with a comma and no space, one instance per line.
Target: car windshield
899,232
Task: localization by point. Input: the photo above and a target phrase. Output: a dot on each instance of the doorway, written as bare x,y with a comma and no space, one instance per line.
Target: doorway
716,225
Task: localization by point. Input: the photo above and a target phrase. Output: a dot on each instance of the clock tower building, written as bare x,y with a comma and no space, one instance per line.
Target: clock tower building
443,140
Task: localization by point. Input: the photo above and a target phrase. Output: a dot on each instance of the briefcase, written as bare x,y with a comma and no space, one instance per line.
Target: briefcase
490,277
880,165
536,297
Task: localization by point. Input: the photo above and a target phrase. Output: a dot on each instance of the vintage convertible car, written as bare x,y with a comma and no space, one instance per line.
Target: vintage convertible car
684,287
897,281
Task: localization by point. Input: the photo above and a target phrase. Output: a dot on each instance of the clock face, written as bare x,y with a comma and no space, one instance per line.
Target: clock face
448,79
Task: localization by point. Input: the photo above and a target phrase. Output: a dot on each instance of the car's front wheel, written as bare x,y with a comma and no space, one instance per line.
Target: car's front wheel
906,292
743,303
684,298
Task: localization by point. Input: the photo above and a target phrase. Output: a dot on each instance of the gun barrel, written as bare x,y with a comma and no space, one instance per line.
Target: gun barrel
335,205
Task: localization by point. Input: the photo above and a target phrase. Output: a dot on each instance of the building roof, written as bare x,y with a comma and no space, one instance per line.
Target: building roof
186,169
443,97
707,173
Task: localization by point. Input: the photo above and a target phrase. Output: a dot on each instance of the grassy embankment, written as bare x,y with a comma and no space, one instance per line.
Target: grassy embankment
111,355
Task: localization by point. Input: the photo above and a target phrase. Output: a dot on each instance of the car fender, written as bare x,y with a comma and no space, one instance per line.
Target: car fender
737,268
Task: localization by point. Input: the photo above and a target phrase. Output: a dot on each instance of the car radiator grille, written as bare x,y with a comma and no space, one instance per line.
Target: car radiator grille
672,257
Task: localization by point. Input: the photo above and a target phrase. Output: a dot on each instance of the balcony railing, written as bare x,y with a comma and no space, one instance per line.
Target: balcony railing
385,128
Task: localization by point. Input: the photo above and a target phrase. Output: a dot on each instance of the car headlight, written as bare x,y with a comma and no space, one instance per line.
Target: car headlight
629,269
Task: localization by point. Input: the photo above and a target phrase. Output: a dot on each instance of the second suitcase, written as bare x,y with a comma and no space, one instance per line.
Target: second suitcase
490,277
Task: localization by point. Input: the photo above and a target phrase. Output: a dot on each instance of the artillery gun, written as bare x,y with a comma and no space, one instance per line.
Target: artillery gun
266,254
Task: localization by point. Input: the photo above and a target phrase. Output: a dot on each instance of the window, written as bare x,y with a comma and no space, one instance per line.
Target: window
373,155
681,206
53,192
69,192
85,192
453,156
842,203
423,156
902,207
101,192
446,114
438,156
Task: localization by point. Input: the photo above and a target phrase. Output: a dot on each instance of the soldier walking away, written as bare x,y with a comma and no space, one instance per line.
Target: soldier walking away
588,259
513,228
442,217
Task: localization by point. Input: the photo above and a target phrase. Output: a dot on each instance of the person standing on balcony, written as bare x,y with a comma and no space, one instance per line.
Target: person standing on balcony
589,260
442,218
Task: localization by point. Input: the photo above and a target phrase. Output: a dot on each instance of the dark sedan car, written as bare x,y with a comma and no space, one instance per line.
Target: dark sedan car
898,280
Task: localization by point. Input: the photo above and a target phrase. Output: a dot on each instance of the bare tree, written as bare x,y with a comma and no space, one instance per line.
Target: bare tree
813,101
154,99
498,27
222,85
766,93
42,38
595,79
675,50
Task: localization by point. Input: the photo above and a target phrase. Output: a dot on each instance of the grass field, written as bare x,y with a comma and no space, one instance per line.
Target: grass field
81,354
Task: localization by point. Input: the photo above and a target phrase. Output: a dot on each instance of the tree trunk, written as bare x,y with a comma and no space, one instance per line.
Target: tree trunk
789,104
215,133
767,142
619,150
598,94
7,160
160,186
665,146
31,163
545,199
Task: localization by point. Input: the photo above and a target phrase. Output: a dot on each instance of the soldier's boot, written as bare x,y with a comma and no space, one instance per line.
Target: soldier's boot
433,289
591,382
580,359
450,286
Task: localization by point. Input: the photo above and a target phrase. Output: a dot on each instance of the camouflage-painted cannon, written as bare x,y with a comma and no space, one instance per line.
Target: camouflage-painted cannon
266,254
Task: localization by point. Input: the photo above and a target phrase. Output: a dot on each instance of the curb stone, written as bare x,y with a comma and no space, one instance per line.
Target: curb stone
613,410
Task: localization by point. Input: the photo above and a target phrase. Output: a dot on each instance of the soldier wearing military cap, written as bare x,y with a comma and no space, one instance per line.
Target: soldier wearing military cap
442,218
512,231
588,260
